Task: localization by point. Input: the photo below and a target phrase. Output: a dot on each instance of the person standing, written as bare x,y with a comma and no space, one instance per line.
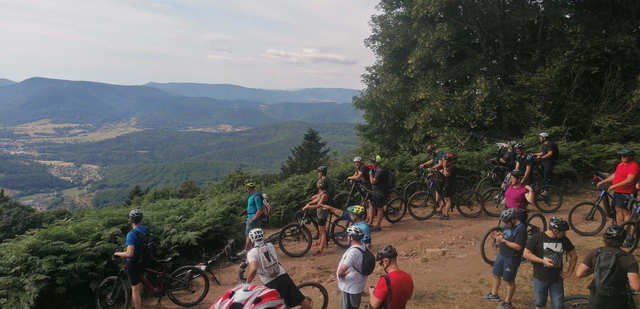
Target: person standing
548,157
356,215
545,250
351,281
254,213
263,261
623,184
518,195
395,288
135,263
380,180
615,272
524,162
448,185
511,242
362,171
319,199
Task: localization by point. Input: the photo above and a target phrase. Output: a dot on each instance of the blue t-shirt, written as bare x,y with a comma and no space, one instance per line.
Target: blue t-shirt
254,203
134,240
436,159
362,225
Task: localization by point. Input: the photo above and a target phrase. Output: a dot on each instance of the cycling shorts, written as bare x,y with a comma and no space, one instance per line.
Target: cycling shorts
322,215
378,198
134,272
621,200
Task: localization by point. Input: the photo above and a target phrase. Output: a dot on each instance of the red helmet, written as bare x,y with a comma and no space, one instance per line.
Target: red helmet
431,148
449,156
250,297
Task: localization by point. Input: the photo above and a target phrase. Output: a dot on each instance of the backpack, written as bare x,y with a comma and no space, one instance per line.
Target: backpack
368,262
609,279
144,253
391,180
266,204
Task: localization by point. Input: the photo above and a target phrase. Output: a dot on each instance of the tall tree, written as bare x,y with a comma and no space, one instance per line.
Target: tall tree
306,156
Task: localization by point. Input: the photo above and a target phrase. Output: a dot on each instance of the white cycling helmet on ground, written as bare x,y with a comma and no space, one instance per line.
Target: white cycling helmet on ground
256,235
250,297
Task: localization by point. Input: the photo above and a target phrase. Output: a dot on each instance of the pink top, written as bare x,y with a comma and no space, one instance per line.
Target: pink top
515,197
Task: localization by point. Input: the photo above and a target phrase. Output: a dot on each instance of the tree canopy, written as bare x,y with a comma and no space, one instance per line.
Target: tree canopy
307,156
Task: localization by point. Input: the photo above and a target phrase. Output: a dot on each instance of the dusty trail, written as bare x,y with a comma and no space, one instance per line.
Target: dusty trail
442,256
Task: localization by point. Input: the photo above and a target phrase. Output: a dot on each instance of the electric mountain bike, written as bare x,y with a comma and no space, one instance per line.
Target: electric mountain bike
489,247
589,218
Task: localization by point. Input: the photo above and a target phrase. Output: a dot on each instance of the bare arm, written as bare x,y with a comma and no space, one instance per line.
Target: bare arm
426,163
547,155
573,259
634,282
583,270
607,180
127,254
333,210
374,302
252,270
532,257
342,270
631,178
527,172
530,195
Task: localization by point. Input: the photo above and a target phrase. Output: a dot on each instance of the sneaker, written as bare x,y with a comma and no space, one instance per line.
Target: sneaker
505,305
491,297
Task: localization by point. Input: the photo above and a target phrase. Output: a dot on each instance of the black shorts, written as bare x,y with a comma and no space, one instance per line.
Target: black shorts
448,189
378,199
135,273
322,215
287,289
621,200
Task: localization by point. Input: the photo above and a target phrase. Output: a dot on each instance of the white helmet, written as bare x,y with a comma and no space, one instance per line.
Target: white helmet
357,159
250,297
544,134
256,235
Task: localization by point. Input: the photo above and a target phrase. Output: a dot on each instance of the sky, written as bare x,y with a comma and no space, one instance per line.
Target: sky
275,44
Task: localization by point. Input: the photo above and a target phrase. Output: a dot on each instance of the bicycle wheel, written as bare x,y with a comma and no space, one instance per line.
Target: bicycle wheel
550,200
631,243
575,302
395,209
587,219
422,205
468,203
309,223
536,223
489,247
339,232
342,200
485,183
187,286
112,293
493,202
295,240
412,188
316,293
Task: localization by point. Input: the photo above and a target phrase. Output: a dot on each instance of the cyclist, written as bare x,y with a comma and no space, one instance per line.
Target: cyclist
322,197
355,214
548,157
524,162
361,173
434,163
507,155
380,179
394,289
511,241
263,261
623,184
350,281
616,272
546,250
247,296
254,213
448,187
519,195
133,255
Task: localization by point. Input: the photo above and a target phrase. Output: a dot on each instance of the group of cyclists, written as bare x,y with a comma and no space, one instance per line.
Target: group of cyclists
616,273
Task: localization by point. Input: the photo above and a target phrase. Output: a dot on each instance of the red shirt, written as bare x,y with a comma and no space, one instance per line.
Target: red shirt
622,171
401,289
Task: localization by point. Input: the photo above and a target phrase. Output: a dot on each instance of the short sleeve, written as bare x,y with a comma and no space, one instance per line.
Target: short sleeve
590,260
252,256
568,245
131,239
351,256
532,243
381,289
521,238
257,199
634,169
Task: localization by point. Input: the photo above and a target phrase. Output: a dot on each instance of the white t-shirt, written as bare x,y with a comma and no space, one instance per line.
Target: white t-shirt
353,282
268,266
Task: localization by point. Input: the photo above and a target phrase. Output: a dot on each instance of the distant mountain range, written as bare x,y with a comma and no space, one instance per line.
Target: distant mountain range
64,101
234,92
5,82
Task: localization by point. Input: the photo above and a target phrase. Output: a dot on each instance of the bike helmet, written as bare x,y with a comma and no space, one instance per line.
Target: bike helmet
355,232
250,297
449,157
357,210
376,159
357,159
544,134
509,214
512,143
256,235
626,152
387,252
616,233
517,173
322,169
431,148
250,184
559,224
135,215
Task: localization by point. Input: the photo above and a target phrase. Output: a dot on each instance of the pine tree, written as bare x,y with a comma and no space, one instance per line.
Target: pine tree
307,156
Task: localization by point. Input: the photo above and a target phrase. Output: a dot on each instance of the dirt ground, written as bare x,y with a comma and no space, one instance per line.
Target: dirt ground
442,256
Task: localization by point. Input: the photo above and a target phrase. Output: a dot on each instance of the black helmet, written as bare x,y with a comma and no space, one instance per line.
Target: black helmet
626,152
616,233
135,215
517,173
387,252
559,224
509,214
322,169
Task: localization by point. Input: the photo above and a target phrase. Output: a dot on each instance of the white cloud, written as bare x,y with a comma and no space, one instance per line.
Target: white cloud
307,55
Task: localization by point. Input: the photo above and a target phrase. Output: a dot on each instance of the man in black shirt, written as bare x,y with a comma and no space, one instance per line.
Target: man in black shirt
524,162
379,178
612,281
508,156
546,251
361,173
511,240
448,186
547,157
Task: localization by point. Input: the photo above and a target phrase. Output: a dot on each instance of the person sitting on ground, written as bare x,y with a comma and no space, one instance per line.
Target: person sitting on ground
319,199
362,171
356,215
511,241
254,214
133,255
380,179
394,289
623,184
546,250
524,162
448,186
351,281
263,261
519,195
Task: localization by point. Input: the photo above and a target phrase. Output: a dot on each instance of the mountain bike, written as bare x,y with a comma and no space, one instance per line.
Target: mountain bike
632,226
416,185
336,229
394,207
575,302
489,247
547,201
313,291
494,176
226,252
186,286
589,218
294,239
422,205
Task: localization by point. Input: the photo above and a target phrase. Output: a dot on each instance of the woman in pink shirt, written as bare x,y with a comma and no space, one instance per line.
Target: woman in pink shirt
518,195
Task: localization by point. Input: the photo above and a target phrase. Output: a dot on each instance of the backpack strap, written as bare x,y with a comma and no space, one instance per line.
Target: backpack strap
388,299
361,258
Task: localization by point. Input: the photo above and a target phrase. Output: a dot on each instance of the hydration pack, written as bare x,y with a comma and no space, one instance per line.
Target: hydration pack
368,262
609,279
144,250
